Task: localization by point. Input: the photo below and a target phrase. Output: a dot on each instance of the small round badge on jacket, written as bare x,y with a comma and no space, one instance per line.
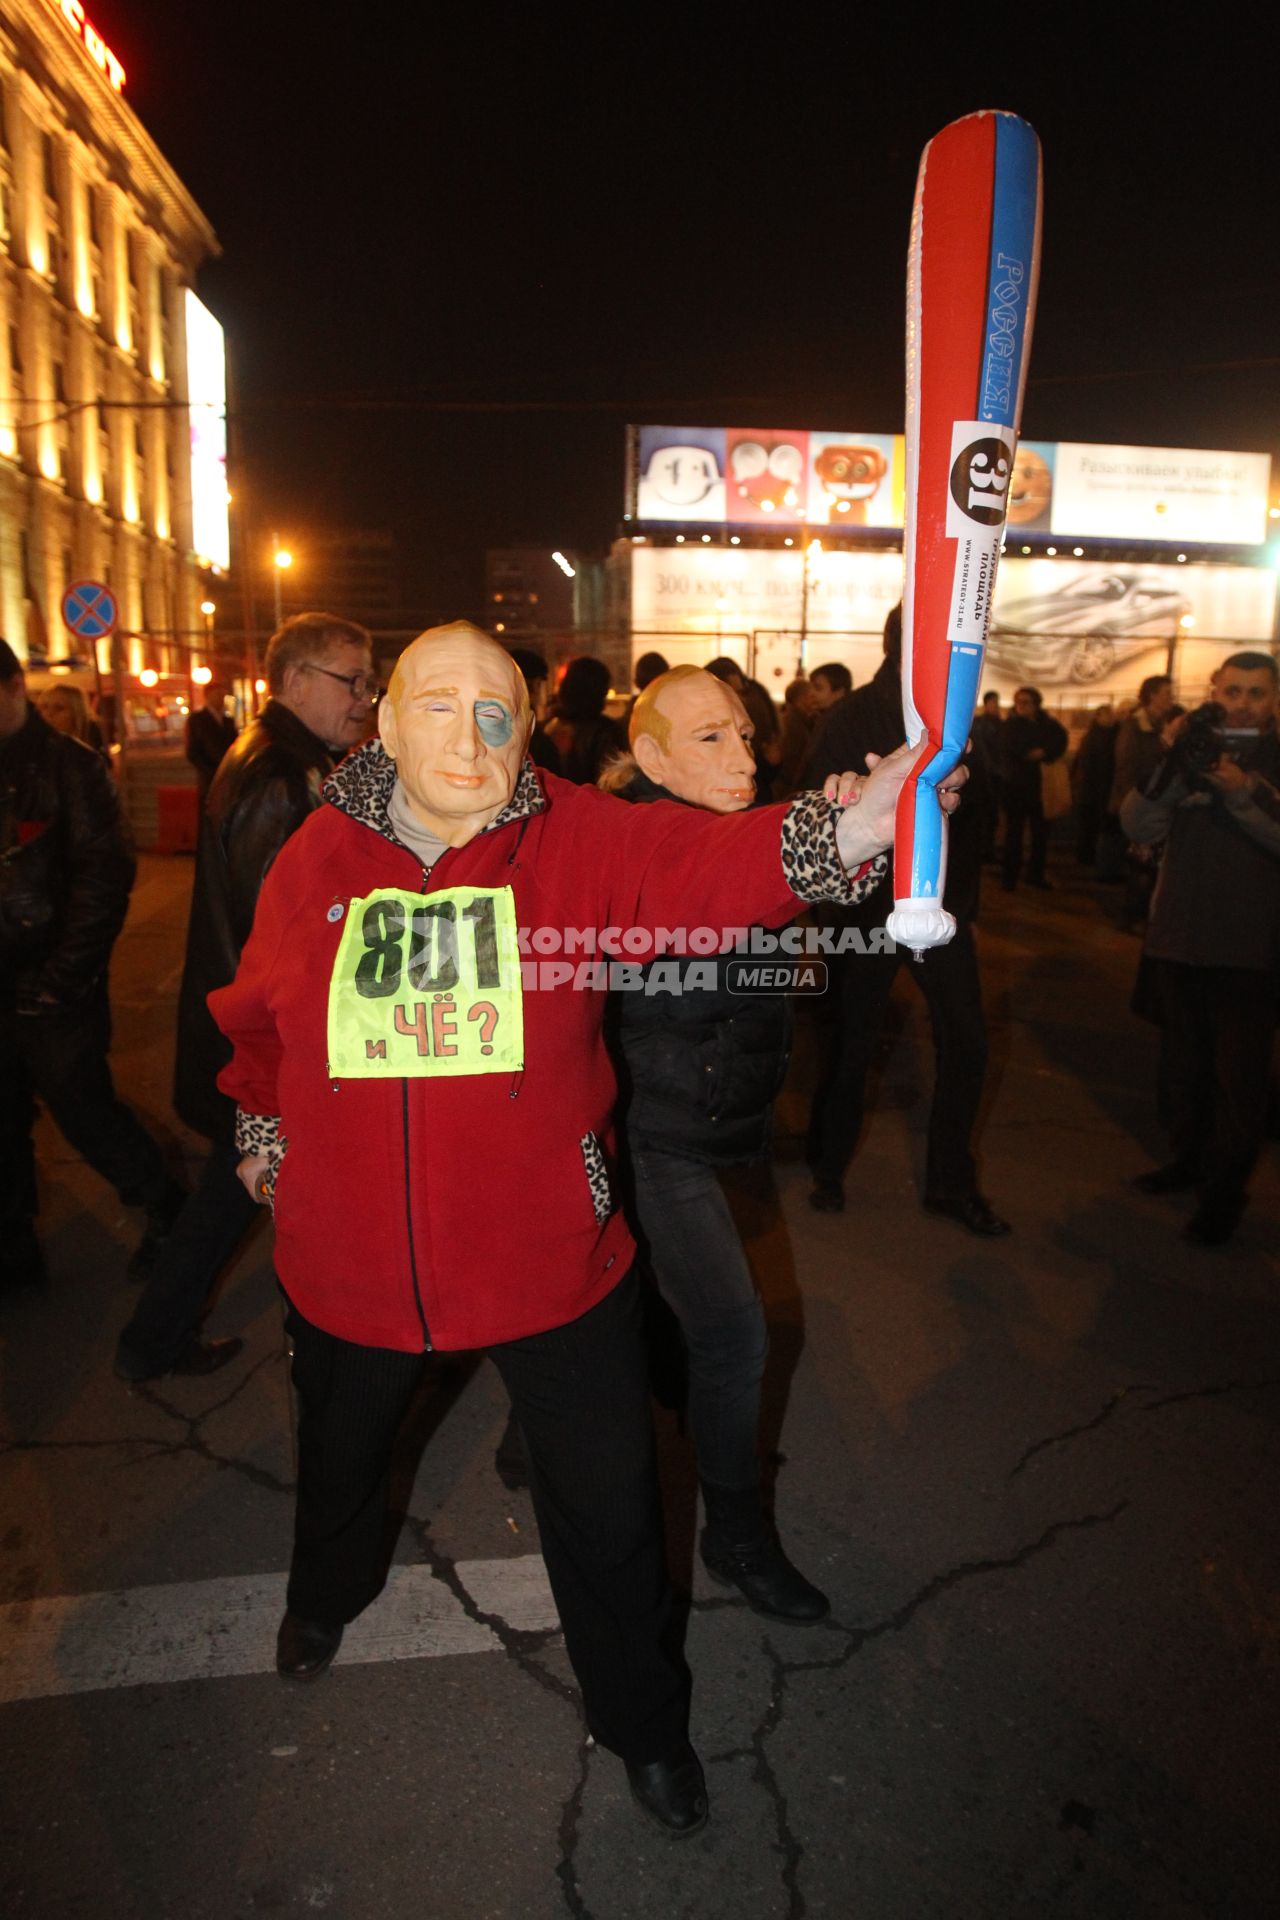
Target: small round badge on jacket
336,911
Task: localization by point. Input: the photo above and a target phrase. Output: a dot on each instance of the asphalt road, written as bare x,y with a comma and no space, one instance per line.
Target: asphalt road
1037,1477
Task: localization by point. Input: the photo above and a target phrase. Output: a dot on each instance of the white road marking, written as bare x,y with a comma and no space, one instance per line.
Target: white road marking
209,1629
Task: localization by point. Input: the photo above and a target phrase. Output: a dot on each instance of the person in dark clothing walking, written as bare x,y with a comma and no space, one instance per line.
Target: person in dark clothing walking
699,1067
861,729
987,734
318,671
1214,942
767,738
210,733
66,872
1032,738
1094,771
580,730
537,677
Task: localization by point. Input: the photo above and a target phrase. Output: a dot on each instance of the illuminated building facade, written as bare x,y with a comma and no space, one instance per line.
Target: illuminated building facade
99,245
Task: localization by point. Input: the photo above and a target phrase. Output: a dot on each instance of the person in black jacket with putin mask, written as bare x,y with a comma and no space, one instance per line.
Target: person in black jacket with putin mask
699,1067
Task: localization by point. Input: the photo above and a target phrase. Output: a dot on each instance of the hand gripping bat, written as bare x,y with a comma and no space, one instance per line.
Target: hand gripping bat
972,269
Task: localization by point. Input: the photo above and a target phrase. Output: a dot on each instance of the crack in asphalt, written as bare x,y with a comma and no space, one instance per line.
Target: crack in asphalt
521,1646
192,1441
1109,1406
1114,1403
855,1639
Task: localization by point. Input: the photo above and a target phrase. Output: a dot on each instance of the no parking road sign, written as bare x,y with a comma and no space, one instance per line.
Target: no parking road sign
90,610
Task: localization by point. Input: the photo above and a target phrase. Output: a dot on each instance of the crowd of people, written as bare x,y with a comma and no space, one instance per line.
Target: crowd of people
461,1154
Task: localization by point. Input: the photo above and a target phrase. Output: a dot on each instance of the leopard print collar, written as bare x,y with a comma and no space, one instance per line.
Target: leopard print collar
361,788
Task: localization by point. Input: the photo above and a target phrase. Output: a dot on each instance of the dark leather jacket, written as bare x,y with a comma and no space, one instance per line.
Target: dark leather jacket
66,865
267,784
869,720
698,1072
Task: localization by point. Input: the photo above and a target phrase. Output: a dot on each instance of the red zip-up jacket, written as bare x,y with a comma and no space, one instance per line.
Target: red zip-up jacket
464,1211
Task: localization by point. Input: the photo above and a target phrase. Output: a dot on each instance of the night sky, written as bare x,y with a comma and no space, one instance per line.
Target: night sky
609,217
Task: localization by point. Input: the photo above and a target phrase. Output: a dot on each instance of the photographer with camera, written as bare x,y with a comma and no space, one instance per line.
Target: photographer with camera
1214,936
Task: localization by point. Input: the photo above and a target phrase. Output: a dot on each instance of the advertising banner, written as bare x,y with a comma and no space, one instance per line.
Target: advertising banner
207,399
757,477
1159,493
1078,629
753,476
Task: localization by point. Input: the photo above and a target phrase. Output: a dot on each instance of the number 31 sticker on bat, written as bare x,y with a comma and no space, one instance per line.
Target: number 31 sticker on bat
971,290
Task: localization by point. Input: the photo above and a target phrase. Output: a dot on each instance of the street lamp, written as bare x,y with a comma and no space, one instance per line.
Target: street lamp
281,560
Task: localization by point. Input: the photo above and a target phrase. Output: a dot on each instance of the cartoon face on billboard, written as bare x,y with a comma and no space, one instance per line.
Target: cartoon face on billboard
681,474
766,478
1031,489
848,477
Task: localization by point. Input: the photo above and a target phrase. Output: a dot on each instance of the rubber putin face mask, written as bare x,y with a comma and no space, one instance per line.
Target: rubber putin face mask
456,721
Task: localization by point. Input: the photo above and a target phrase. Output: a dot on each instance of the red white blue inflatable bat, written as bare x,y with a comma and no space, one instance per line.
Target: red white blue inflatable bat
971,290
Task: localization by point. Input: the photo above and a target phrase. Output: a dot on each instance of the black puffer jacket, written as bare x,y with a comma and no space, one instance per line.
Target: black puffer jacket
66,864
698,1072
268,783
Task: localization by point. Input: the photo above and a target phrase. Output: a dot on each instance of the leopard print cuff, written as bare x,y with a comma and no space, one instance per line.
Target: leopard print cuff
256,1132
811,861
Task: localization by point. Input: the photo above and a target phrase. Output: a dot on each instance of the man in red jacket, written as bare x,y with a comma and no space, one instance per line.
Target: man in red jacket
433,1121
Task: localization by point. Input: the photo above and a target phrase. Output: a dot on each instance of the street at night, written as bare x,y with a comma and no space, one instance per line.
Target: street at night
1036,1478
639,1087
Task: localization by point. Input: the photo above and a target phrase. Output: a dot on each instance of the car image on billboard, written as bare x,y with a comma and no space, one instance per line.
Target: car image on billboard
1068,637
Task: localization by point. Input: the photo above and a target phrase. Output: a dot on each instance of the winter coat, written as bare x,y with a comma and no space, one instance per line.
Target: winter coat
1217,900
266,785
418,1204
66,864
869,720
698,1070
1023,733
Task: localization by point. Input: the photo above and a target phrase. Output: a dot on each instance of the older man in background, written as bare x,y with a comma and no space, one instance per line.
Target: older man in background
320,675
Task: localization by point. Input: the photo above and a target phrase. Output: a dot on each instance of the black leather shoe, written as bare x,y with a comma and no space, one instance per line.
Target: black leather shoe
764,1576
304,1648
672,1792
827,1197
974,1213
1175,1178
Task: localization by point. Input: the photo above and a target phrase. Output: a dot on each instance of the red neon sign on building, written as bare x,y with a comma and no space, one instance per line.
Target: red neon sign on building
93,43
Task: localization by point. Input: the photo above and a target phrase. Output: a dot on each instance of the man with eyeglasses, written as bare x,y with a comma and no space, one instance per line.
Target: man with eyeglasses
322,688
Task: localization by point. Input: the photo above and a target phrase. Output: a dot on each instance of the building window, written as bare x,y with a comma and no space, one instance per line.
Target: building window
137,440
67,575
4,210
59,384
50,169
15,350
130,261
95,231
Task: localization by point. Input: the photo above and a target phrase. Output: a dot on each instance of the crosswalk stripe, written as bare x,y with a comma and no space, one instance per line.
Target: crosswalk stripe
211,1629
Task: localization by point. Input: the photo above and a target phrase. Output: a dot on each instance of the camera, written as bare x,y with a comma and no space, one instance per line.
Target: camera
1204,741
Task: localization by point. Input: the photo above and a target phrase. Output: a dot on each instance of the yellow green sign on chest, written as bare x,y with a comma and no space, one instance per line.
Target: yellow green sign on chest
427,984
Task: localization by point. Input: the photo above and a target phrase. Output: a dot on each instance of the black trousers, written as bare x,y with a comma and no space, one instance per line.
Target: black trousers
214,1219
1021,811
581,1395
1219,1027
948,979
60,1057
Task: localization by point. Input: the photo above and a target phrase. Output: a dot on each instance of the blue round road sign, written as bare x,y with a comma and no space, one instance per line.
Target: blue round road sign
90,610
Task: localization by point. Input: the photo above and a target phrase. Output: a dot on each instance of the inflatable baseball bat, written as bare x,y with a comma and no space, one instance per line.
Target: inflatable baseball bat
971,289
